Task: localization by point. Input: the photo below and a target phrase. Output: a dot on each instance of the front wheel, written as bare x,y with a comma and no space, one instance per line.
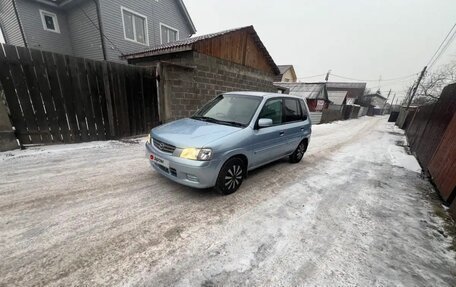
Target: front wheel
297,155
230,177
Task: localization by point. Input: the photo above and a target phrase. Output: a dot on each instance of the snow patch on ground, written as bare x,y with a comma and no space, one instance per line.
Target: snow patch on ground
349,214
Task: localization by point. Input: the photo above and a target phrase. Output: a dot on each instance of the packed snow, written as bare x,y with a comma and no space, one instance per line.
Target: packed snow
355,211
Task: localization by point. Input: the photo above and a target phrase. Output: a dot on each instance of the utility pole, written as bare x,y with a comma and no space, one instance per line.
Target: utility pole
383,108
392,102
327,75
416,87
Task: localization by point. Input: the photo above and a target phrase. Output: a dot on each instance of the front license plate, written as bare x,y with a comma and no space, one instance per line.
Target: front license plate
160,161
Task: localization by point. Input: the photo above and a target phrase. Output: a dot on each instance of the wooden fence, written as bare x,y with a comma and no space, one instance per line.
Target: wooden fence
431,135
54,98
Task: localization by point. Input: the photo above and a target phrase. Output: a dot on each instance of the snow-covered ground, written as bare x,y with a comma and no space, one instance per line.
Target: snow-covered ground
355,211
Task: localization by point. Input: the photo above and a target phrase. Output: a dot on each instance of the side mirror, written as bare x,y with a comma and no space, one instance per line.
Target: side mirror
263,123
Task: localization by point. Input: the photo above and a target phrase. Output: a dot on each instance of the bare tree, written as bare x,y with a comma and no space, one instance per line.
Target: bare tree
433,83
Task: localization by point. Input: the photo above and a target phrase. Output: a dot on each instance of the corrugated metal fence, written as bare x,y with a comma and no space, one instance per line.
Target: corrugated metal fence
431,134
55,98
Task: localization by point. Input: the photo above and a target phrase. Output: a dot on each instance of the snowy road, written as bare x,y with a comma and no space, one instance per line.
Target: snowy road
354,212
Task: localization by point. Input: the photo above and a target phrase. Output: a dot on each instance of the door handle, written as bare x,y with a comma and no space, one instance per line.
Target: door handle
302,129
281,133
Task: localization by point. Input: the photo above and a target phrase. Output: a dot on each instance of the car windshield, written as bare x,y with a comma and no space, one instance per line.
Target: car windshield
235,110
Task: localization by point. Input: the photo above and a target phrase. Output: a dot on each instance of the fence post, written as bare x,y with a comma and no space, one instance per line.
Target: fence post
7,138
107,90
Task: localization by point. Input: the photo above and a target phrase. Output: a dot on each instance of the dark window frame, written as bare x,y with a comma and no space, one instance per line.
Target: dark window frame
300,116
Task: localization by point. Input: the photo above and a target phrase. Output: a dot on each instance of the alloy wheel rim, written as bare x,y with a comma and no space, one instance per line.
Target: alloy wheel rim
233,177
300,150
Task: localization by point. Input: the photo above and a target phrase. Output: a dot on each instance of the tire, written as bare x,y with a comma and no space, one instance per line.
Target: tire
230,176
298,154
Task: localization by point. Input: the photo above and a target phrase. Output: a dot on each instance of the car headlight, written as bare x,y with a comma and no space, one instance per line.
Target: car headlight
203,154
149,139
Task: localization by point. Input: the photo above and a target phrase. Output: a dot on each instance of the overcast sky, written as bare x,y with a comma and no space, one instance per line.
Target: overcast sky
361,39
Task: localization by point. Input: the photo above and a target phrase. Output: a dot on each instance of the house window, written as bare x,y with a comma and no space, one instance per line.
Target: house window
135,27
49,21
168,34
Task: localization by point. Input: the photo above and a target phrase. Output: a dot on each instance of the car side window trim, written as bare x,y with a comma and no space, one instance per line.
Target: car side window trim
303,112
259,115
301,118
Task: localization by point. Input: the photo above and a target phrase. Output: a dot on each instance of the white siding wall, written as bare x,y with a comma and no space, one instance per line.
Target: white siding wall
165,11
35,34
9,23
85,37
315,117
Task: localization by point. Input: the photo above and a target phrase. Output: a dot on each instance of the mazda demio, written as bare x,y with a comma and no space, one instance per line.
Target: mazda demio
229,136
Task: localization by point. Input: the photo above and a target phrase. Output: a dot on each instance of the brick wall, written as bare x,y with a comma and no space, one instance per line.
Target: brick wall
189,79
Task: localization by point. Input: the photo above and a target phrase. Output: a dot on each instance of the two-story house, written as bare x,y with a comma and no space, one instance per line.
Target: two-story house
95,29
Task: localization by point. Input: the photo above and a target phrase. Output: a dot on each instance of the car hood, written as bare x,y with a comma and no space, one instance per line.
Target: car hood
191,133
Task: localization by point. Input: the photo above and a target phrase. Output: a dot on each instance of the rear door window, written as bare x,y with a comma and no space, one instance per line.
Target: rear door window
272,110
303,109
292,110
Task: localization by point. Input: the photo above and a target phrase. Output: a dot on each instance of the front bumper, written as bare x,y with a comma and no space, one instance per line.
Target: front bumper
193,173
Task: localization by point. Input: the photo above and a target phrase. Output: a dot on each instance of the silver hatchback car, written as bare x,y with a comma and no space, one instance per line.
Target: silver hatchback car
232,134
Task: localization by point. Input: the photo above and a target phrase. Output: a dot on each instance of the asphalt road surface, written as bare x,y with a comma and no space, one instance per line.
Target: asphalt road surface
355,211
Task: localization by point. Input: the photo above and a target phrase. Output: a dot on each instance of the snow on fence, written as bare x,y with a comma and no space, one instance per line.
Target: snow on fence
56,98
431,134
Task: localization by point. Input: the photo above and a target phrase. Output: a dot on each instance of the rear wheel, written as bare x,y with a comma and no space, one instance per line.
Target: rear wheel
231,176
297,155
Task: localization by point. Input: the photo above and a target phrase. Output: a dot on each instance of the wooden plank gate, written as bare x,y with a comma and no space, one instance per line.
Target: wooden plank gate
54,98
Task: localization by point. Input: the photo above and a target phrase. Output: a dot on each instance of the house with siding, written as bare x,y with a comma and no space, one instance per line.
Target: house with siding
374,102
287,74
94,29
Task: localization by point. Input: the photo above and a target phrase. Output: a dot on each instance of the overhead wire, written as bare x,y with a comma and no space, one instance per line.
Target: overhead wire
103,34
442,47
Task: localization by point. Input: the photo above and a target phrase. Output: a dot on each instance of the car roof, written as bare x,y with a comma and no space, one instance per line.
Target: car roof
261,94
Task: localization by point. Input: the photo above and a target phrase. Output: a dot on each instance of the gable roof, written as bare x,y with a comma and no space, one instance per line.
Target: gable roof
187,15
311,91
337,97
283,69
188,44
345,85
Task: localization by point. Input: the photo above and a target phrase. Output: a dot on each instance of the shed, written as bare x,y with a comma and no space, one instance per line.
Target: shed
315,94
194,70
352,91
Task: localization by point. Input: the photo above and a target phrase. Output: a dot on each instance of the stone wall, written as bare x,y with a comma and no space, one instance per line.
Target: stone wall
189,79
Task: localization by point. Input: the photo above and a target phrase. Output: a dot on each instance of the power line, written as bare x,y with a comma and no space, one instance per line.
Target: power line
383,80
444,48
434,58
307,77
99,29
362,80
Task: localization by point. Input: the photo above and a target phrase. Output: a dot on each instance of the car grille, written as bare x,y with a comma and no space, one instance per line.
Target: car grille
164,146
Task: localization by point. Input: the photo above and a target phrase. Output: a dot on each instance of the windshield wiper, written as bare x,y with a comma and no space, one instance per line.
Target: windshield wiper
231,123
205,119
212,120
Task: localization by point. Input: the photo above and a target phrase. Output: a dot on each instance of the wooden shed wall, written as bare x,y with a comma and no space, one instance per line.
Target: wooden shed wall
238,47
